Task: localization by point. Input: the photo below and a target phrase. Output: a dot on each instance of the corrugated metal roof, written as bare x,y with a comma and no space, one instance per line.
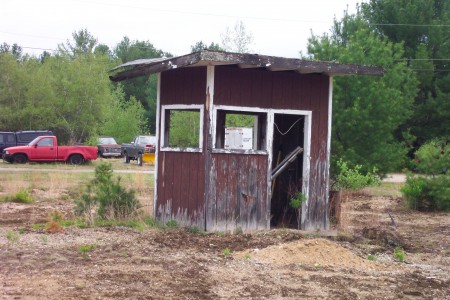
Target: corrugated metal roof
143,67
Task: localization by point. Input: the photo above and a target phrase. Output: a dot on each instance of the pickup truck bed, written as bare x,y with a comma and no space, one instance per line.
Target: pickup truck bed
46,149
140,146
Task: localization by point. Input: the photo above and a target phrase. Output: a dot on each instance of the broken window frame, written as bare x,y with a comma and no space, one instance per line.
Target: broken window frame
262,135
165,127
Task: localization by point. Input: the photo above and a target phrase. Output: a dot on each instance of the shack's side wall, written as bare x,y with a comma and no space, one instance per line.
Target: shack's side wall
286,90
181,175
238,193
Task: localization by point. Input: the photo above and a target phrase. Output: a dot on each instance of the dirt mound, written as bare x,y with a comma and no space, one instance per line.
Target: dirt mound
383,236
311,252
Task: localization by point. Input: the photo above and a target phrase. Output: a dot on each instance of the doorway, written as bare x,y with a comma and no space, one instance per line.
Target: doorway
288,135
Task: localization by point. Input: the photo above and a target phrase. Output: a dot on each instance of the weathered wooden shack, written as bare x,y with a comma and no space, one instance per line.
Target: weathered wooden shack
287,104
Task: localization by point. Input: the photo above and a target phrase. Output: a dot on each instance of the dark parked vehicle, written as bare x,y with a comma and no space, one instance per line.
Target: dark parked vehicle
140,146
108,147
20,138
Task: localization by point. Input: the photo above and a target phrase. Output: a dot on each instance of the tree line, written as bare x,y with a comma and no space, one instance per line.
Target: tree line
377,122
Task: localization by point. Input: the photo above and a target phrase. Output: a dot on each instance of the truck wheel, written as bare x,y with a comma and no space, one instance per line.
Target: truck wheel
76,159
126,158
139,159
20,159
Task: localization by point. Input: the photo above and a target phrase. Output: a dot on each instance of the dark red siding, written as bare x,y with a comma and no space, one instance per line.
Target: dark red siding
224,191
286,90
181,188
181,175
238,199
183,86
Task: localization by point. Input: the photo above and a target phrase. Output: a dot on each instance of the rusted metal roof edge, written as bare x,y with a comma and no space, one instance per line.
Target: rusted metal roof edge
145,67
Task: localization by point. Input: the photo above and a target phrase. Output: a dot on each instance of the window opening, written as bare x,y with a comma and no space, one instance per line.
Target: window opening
241,130
182,128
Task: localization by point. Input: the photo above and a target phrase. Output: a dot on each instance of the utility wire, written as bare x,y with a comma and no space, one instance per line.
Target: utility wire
292,126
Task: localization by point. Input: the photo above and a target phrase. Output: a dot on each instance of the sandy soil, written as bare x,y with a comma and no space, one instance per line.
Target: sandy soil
123,263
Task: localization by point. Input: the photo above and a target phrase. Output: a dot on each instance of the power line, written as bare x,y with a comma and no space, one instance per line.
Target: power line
424,59
411,25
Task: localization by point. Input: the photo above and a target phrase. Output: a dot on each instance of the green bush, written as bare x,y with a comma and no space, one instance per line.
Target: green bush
399,254
433,158
111,199
22,196
296,203
348,178
430,193
427,194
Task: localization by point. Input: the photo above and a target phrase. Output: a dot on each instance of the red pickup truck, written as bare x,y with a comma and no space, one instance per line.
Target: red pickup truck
46,149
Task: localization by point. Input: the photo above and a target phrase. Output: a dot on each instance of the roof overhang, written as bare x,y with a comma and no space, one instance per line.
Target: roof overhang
143,67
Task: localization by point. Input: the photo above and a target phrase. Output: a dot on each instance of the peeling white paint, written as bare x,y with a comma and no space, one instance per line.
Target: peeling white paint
330,113
166,213
237,151
158,113
210,70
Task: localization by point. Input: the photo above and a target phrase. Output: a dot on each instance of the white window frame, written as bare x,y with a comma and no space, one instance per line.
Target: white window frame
269,138
245,110
163,126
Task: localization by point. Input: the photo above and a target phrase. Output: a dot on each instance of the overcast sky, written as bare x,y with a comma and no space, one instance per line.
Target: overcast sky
279,27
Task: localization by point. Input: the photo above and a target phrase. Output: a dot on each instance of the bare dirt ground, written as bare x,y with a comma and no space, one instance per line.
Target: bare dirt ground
124,263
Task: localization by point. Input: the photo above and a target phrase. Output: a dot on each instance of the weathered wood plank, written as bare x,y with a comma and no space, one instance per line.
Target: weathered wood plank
233,200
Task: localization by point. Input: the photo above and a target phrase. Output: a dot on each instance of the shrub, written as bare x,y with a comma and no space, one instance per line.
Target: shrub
348,178
427,194
227,251
433,192
111,199
54,223
399,254
433,158
22,196
296,203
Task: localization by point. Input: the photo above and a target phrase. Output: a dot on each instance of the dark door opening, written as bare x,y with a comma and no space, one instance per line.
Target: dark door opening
288,135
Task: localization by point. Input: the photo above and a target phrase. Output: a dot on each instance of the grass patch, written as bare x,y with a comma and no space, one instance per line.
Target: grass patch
22,196
227,251
12,236
172,224
399,254
73,182
85,249
193,229
385,189
38,227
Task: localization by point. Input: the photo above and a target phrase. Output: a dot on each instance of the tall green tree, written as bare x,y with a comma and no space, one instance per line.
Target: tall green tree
423,28
12,90
83,43
123,119
80,93
142,88
202,46
367,110
15,50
